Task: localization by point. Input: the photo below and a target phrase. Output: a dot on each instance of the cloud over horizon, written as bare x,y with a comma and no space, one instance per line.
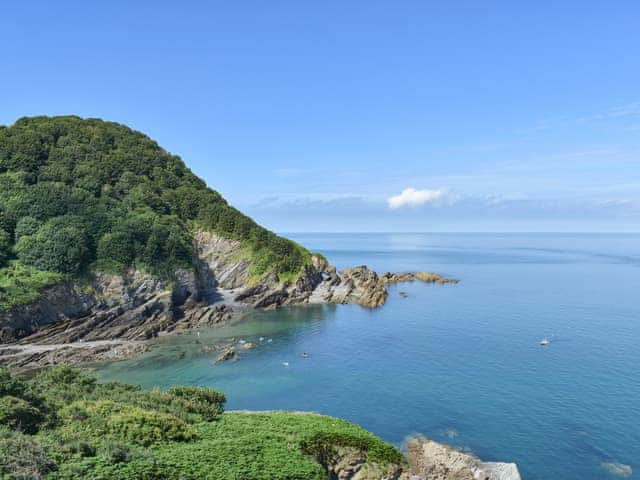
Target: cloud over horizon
411,197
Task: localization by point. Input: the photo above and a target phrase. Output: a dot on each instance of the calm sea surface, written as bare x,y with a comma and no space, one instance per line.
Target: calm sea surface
461,364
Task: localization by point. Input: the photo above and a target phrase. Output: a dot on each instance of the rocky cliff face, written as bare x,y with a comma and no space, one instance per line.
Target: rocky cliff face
137,306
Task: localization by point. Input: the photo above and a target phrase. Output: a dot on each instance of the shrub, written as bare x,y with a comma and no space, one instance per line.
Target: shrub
23,458
26,226
203,401
147,427
18,414
116,248
126,422
10,385
5,247
322,446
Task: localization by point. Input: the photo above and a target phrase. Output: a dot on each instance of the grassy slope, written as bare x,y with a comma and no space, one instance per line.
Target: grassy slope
79,429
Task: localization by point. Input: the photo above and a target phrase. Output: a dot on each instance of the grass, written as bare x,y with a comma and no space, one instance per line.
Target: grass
20,284
268,446
82,429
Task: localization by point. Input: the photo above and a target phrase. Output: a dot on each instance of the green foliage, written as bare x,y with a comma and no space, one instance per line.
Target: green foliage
22,457
76,193
5,246
18,414
106,431
60,245
20,284
26,226
203,401
124,421
267,446
323,445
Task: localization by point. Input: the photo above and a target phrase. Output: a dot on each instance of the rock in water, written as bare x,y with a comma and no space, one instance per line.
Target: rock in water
433,461
228,353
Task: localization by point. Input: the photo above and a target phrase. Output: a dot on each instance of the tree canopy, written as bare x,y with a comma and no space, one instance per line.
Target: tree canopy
76,193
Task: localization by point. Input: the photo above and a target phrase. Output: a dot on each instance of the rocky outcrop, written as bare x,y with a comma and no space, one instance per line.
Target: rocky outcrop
365,287
426,277
429,460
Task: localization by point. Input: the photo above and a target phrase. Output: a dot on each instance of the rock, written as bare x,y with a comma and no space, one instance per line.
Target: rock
363,286
229,353
433,461
620,469
426,277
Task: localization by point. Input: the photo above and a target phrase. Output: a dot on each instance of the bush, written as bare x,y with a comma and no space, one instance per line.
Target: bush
10,385
5,247
26,226
147,427
127,422
23,458
203,401
322,446
18,414
117,249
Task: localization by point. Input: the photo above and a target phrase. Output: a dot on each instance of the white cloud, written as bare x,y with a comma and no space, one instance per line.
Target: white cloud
410,197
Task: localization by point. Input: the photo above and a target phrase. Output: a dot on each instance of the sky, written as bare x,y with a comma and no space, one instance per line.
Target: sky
346,116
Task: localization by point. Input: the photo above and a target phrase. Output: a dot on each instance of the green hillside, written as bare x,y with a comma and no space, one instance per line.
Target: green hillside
62,424
79,194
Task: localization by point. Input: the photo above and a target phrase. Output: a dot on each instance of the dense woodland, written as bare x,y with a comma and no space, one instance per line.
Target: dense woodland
77,194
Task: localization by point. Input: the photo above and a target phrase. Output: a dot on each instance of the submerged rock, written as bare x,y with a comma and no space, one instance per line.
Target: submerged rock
229,353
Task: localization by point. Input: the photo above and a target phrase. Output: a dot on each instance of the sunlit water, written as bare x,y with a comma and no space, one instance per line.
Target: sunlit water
462,364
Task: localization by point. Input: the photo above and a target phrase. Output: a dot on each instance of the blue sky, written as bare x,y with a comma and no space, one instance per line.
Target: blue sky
359,115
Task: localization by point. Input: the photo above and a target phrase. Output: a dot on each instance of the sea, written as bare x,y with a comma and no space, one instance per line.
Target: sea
461,364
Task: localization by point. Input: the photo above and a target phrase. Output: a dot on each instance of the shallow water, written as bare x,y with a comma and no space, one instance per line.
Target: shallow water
461,364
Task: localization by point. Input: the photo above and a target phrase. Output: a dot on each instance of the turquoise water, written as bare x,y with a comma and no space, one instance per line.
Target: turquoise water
461,364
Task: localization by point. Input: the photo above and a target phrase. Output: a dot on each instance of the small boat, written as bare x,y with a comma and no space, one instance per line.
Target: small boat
262,339
270,340
545,341
286,364
304,355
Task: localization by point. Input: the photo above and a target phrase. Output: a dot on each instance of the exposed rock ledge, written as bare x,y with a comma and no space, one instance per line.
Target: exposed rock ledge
138,307
434,461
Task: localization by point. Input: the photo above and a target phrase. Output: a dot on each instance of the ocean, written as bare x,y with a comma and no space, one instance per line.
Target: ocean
461,364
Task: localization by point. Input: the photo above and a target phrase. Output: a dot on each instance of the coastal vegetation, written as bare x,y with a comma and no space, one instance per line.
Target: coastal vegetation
78,195
63,424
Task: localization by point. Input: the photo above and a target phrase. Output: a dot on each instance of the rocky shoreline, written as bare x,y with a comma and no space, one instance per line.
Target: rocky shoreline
109,317
429,460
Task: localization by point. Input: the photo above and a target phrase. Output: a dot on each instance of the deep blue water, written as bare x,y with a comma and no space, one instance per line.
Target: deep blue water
461,364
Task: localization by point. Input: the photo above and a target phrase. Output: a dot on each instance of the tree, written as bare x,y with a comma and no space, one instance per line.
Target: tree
60,245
